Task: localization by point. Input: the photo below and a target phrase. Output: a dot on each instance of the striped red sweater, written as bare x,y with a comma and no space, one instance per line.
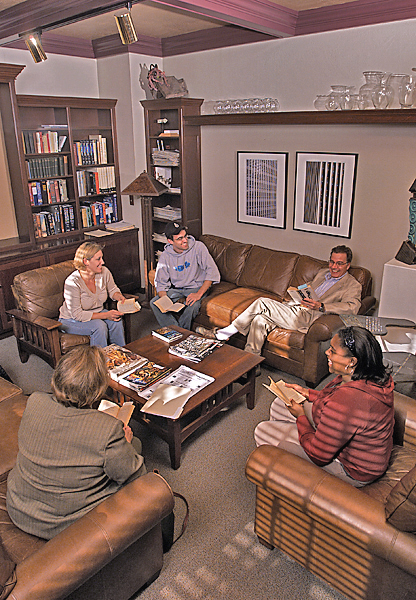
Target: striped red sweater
354,423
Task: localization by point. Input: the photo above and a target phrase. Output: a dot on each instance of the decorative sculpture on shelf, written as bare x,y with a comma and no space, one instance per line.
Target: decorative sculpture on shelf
407,251
412,214
165,86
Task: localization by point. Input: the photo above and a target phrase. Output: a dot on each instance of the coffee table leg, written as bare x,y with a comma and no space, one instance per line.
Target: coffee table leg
174,441
251,394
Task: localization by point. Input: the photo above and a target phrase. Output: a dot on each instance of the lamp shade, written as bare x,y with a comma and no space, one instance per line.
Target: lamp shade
145,185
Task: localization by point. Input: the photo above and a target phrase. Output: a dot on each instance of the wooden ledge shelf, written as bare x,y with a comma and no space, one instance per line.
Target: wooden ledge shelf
336,117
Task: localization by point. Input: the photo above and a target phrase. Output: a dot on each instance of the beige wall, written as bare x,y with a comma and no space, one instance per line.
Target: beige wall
8,227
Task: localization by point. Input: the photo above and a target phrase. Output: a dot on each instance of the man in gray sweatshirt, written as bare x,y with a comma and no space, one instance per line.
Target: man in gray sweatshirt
185,270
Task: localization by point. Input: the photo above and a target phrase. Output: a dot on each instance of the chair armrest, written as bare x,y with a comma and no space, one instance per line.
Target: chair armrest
68,560
367,304
404,421
43,322
331,501
323,328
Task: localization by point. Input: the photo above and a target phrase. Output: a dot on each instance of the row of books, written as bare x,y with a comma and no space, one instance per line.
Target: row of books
43,142
42,168
101,180
48,192
58,219
99,213
92,151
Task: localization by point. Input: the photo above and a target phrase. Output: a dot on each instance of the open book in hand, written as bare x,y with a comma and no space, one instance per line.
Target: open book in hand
303,292
279,389
123,413
128,306
165,305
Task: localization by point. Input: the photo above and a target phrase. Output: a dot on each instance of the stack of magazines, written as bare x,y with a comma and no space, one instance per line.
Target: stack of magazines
121,361
167,212
143,376
194,348
165,158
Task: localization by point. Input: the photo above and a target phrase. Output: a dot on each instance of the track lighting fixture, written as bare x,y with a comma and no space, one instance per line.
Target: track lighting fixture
35,47
126,27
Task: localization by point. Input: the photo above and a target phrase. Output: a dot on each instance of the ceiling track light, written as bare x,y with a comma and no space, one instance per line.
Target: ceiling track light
126,27
34,46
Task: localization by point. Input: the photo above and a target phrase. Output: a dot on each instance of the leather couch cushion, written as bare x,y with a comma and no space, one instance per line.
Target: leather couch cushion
40,291
268,270
7,573
225,307
306,269
11,411
401,502
229,256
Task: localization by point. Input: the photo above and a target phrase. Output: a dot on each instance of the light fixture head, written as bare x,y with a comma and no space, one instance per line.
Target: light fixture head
126,27
35,47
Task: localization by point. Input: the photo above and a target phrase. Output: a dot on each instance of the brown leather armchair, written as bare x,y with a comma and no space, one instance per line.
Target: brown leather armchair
110,553
360,541
38,296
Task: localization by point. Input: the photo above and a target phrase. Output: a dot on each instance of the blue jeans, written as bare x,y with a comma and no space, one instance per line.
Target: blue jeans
99,330
183,318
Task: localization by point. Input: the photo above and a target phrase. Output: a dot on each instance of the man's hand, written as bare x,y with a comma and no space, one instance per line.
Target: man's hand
192,298
128,433
312,304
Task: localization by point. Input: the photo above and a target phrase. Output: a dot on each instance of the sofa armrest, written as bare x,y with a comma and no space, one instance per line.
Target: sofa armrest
367,304
72,557
323,328
330,501
43,322
404,421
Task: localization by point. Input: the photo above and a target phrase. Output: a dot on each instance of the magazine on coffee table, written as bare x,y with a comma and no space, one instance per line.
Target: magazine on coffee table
194,348
121,360
143,376
183,377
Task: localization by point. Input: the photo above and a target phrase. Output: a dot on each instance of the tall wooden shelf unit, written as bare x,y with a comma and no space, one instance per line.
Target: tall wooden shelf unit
170,115
70,163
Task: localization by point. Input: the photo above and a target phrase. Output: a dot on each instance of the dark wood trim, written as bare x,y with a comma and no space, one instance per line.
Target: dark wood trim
64,101
341,117
111,46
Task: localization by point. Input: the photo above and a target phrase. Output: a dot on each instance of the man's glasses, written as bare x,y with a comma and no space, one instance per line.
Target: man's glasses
332,263
179,238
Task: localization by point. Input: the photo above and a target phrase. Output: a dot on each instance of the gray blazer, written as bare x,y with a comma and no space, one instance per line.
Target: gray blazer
69,460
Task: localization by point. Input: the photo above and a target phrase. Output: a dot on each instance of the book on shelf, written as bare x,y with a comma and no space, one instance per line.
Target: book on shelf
120,226
167,212
167,401
279,389
130,305
121,360
143,376
184,377
42,168
43,142
302,292
164,175
97,233
123,412
165,304
91,151
194,348
167,334
169,133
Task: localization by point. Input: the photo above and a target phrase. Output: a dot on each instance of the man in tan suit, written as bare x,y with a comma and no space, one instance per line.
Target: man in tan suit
337,290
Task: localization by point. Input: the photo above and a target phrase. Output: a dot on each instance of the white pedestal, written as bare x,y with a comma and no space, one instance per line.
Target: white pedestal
398,291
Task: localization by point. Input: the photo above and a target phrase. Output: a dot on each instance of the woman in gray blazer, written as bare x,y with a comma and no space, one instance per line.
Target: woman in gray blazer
71,456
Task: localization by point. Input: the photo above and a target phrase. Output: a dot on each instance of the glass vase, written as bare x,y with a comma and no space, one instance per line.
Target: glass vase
372,80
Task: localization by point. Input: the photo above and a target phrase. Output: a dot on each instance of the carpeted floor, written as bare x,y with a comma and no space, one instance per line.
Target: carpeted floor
218,556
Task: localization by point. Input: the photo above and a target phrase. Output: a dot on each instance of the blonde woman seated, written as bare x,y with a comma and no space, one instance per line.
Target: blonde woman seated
85,292
71,455
346,428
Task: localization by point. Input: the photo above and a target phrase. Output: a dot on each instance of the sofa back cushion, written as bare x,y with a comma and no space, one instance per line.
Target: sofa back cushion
306,269
229,256
268,270
41,291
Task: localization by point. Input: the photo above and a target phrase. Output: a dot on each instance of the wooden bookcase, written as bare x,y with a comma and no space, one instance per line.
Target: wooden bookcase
183,169
69,164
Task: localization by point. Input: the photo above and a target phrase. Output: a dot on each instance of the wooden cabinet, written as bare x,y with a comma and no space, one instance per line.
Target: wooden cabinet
69,163
173,156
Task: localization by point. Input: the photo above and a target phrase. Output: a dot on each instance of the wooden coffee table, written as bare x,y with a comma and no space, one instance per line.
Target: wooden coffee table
234,371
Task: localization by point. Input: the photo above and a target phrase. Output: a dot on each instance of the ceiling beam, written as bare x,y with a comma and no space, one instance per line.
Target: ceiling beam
258,15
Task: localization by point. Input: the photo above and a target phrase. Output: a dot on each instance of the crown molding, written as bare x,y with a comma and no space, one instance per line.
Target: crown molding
210,39
354,14
111,46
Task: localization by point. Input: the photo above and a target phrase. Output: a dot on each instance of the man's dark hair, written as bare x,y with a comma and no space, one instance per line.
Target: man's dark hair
343,250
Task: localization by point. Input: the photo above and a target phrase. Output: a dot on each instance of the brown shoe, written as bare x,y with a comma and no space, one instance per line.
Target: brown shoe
207,333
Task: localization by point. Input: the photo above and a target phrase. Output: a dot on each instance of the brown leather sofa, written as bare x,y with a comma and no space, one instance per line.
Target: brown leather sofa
109,553
38,296
249,272
361,541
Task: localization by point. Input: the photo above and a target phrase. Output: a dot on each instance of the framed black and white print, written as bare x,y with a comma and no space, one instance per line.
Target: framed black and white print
324,193
262,188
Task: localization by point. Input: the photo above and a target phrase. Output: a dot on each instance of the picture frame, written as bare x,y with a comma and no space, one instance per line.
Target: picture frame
262,180
324,193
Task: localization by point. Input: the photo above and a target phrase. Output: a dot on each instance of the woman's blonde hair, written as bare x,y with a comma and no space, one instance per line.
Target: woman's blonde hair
81,377
86,250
